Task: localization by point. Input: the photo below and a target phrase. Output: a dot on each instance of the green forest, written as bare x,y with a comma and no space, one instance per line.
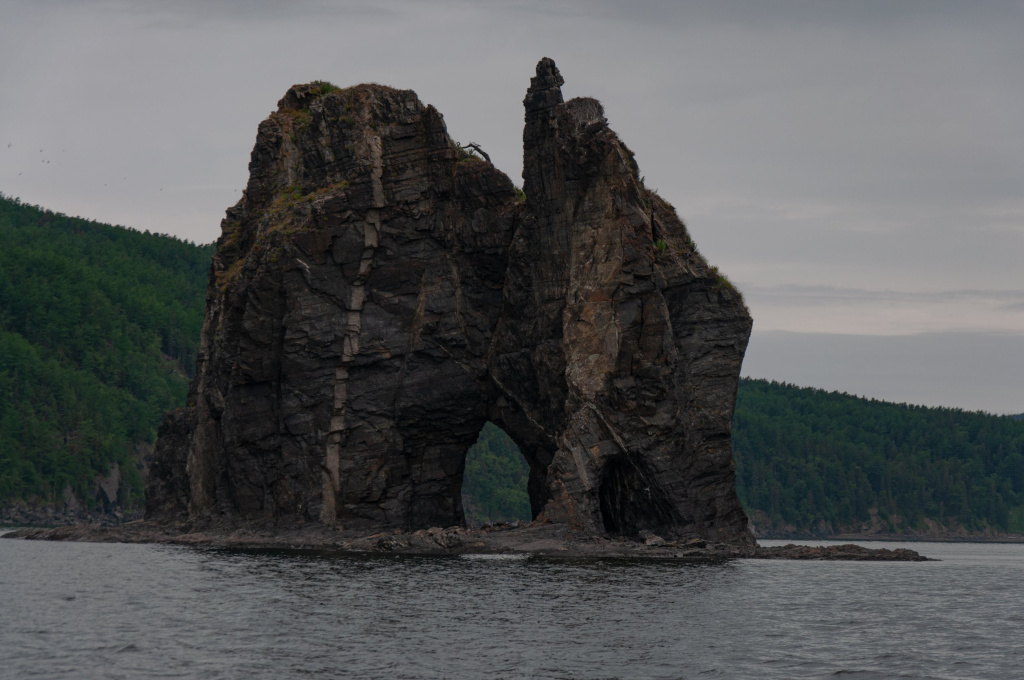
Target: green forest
494,483
815,461
99,328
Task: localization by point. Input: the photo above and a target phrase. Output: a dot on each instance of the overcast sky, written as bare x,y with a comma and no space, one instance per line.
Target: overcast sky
857,168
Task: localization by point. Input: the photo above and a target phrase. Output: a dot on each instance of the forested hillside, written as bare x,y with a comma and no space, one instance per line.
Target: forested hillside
99,326
816,461
494,483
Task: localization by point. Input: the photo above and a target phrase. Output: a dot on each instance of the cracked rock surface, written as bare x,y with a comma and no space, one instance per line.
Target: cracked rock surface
379,293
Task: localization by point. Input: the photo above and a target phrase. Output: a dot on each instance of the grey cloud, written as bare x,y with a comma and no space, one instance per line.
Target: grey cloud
974,371
832,295
865,146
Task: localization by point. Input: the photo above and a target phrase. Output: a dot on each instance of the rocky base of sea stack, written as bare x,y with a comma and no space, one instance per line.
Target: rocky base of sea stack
20,513
534,538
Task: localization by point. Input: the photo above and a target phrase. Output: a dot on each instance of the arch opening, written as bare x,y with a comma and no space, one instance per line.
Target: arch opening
495,479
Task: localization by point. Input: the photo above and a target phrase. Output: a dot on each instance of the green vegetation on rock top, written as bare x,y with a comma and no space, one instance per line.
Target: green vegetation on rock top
323,87
99,328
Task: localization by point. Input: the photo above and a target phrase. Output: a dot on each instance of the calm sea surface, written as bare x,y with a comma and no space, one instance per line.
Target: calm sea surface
137,611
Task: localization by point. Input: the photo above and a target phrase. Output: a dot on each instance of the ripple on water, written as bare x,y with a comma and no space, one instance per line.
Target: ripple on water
497,557
127,611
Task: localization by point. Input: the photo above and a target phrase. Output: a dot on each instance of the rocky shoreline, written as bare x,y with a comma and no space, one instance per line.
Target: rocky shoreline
534,538
19,513
958,537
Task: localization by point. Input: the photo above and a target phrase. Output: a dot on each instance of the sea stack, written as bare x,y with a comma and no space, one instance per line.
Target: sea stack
379,293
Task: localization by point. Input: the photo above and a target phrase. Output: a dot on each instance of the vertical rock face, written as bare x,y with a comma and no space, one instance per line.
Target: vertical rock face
617,356
349,311
377,295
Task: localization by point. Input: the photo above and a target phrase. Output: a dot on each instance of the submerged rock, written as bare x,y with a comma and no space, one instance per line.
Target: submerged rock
846,551
379,293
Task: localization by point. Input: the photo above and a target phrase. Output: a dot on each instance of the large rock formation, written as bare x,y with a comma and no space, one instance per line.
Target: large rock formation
379,293
341,373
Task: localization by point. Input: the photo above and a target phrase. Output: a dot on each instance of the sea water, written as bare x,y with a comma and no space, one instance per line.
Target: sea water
87,610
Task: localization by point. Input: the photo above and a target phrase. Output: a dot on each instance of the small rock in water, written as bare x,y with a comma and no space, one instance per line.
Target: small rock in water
650,538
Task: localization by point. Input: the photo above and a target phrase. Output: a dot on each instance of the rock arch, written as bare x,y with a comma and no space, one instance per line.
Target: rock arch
377,295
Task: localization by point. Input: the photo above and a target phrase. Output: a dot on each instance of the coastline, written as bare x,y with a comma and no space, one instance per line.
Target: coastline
527,539
894,538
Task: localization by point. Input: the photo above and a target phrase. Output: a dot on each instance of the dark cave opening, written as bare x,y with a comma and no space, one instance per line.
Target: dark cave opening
630,500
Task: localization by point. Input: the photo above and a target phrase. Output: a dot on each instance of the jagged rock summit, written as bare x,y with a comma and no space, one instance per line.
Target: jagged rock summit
378,294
